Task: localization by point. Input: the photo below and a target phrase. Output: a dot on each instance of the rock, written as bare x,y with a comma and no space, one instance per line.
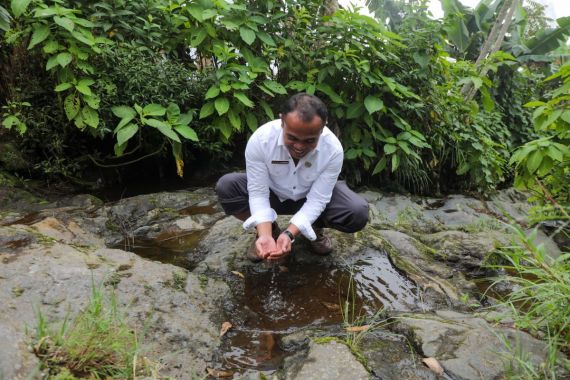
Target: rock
468,347
177,311
391,356
11,157
510,203
330,360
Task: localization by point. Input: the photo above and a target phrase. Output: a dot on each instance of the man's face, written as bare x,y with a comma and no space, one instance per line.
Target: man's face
300,137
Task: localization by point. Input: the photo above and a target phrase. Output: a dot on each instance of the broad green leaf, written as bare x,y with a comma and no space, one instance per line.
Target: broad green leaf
126,133
389,148
63,59
198,36
41,32
275,87
166,130
381,165
196,11
86,82
395,163
122,123
222,105
19,6
247,35
155,123
212,92
268,111
235,120
86,39
185,118
172,113
266,38
373,104
206,110
64,22
119,149
84,22
90,116
63,86
354,110
209,13
82,88
251,121
244,99
534,161
351,154
51,47
463,168
153,109
186,132
225,129
124,112
45,12
297,85
405,147
328,90
10,121
71,105
92,101
535,103
555,154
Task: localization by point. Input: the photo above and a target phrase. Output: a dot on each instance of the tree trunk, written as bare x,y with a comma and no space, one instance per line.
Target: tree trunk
493,42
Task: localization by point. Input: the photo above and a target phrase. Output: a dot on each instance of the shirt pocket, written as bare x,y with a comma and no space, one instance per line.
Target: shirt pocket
307,177
278,171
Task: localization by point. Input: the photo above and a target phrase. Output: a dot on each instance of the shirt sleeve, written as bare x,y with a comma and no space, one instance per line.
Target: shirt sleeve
257,185
318,197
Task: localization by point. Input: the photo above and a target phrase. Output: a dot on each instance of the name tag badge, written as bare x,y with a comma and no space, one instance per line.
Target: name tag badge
280,162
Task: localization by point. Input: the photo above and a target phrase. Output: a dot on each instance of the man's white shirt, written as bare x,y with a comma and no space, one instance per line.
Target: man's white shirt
270,166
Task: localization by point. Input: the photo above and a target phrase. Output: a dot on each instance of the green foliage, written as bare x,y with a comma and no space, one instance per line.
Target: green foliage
393,92
540,299
12,116
548,158
96,343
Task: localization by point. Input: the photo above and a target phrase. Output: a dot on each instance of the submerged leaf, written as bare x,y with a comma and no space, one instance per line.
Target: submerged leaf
225,327
357,328
219,372
239,274
434,365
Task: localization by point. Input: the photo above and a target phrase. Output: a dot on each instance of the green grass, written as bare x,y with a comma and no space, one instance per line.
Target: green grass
357,323
539,302
97,343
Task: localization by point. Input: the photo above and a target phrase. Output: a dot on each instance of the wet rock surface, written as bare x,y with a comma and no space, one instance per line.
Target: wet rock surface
416,262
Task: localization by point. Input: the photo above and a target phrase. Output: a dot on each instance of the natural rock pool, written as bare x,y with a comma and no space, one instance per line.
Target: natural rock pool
416,268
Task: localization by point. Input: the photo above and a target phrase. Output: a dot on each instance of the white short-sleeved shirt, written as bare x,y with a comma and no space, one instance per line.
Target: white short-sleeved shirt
270,166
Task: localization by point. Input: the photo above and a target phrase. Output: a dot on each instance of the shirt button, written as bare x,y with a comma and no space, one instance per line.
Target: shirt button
294,187
295,172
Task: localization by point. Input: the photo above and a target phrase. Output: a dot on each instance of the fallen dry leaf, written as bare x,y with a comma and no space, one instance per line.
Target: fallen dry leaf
434,365
225,327
239,274
219,372
331,306
283,268
357,328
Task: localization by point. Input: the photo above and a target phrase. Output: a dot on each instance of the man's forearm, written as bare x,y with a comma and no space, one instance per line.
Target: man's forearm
264,229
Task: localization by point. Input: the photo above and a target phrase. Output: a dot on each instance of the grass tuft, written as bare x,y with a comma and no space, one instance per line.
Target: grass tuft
540,300
97,343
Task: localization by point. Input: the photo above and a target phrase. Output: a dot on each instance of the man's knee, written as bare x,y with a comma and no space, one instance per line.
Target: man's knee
359,218
228,184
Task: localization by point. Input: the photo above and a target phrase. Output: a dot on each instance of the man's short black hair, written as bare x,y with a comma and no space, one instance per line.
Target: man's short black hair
307,106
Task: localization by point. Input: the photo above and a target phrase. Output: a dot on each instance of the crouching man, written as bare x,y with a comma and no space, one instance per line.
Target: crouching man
292,168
